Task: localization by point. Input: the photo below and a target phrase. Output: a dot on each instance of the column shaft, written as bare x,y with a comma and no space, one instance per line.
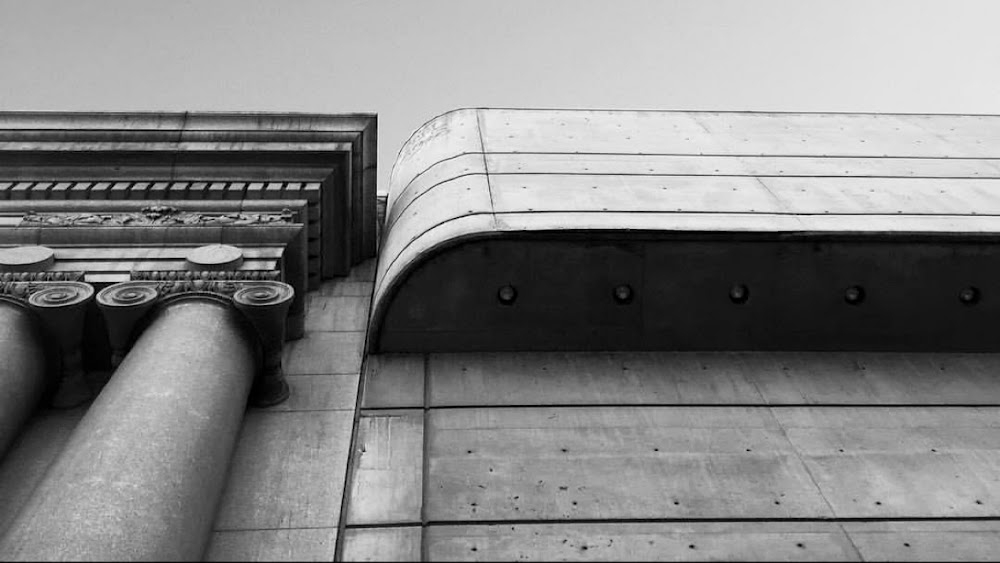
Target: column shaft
142,474
22,370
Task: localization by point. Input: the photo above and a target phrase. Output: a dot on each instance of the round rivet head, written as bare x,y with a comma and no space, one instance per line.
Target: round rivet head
854,295
26,259
969,295
215,257
739,294
506,295
623,294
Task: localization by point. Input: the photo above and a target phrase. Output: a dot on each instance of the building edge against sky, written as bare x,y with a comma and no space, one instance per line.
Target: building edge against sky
612,334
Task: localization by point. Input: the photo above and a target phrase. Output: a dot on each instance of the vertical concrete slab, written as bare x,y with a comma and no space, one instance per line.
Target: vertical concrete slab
387,484
336,313
394,381
288,471
324,353
382,544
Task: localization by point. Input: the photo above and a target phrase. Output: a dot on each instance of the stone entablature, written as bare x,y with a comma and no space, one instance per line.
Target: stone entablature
328,159
116,241
157,215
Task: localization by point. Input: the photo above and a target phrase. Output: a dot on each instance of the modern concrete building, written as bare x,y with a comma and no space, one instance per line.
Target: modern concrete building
592,335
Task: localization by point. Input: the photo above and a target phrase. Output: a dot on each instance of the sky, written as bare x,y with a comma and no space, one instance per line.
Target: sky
410,60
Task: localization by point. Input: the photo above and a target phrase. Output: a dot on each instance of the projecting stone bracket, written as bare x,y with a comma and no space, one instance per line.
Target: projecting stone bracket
59,301
264,303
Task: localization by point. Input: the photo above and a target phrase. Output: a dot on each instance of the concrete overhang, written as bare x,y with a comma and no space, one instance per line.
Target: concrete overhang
691,230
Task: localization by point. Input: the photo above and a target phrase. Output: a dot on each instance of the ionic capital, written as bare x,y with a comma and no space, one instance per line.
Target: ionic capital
59,301
264,303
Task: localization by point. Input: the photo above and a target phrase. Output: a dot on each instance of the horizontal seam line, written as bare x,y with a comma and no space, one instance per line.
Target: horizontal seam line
293,411
228,530
992,176
400,524
698,405
747,213
746,155
316,330
709,520
355,372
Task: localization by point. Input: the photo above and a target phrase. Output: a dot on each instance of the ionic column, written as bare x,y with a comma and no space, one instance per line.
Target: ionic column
38,307
142,474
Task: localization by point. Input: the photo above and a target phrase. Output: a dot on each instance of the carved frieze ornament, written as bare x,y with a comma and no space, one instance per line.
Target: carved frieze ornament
264,303
59,301
155,215
206,275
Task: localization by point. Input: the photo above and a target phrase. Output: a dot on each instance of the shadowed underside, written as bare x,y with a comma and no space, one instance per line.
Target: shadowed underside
797,214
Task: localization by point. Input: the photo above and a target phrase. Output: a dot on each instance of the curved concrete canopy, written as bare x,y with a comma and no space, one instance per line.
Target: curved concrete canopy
684,208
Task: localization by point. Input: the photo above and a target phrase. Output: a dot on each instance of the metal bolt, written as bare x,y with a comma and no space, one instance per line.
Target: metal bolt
507,295
739,293
623,294
969,295
854,294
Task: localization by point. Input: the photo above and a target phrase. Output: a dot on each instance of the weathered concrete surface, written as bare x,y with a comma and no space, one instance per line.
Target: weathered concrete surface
283,499
386,486
700,541
141,476
302,544
22,370
639,455
690,378
382,544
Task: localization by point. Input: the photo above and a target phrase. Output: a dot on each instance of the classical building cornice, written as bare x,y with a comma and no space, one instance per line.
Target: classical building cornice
330,160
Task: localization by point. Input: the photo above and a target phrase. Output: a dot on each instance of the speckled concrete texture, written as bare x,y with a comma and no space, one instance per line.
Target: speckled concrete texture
285,491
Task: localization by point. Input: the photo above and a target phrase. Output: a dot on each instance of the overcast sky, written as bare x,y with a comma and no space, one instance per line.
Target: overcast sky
411,60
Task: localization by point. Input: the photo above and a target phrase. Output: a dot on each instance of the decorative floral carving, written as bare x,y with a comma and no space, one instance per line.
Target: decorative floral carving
156,215
40,276
188,275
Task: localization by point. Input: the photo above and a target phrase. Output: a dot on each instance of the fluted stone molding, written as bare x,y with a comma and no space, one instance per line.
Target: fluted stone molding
59,304
142,474
263,303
